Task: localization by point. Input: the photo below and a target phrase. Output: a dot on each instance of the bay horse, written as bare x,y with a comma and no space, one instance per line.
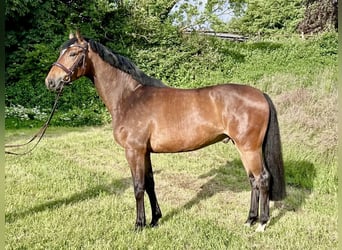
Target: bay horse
150,117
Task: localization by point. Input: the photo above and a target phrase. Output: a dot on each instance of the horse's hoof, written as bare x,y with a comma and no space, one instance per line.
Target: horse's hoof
154,223
155,219
138,229
261,228
139,226
248,224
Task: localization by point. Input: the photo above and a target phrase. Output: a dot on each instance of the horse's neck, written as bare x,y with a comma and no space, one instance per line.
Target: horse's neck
112,85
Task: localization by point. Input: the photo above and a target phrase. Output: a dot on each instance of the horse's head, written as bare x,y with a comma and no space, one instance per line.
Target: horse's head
70,65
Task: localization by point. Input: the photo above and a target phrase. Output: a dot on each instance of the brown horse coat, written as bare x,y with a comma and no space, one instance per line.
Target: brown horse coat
149,117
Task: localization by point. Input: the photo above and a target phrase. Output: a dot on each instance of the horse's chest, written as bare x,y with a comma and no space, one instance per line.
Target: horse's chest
132,134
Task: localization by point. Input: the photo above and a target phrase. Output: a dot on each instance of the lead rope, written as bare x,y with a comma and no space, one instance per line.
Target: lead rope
39,134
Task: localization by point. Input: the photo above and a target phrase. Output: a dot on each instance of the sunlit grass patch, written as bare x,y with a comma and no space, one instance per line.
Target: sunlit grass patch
75,191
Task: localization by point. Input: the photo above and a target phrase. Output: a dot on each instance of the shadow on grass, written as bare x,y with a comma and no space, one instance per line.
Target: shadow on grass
232,177
300,176
228,177
115,187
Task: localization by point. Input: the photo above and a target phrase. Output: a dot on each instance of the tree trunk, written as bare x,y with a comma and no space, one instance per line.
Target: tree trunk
320,15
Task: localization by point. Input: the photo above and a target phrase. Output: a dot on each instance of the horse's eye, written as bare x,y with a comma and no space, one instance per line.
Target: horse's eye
72,54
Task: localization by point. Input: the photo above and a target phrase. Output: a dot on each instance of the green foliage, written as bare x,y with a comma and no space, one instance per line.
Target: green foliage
32,46
144,32
201,61
198,61
269,17
19,8
81,117
19,116
204,15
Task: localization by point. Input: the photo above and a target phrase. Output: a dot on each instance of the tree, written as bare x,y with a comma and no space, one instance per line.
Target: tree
320,15
36,29
268,17
205,14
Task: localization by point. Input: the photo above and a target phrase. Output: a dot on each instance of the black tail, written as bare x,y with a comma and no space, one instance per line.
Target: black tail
273,155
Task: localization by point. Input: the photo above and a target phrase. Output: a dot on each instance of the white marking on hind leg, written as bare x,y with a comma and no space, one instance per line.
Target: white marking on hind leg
248,224
261,228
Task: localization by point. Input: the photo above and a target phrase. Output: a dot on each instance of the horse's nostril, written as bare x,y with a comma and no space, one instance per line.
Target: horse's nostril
50,83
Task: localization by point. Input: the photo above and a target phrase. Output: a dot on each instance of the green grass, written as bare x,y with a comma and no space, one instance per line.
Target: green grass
74,192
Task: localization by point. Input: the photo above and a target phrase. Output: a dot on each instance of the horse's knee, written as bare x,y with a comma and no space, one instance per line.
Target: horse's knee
253,182
264,181
139,191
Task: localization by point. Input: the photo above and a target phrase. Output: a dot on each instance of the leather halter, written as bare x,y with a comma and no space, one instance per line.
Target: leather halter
75,65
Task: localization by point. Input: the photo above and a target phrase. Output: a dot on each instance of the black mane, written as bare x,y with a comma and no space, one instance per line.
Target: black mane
119,62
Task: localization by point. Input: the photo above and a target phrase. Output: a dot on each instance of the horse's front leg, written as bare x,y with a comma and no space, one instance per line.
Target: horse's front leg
149,181
136,160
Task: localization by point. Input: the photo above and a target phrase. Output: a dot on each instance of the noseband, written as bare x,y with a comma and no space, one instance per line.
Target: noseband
72,69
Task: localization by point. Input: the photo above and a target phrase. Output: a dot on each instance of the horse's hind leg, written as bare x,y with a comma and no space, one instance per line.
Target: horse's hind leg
264,181
259,179
254,208
149,184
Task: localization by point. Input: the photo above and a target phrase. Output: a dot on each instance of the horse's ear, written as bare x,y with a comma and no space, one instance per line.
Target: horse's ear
78,36
71,35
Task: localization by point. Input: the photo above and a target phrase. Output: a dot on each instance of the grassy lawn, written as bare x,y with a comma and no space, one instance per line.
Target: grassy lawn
75,192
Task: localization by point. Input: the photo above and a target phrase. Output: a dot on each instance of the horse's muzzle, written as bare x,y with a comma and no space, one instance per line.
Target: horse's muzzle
53,84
